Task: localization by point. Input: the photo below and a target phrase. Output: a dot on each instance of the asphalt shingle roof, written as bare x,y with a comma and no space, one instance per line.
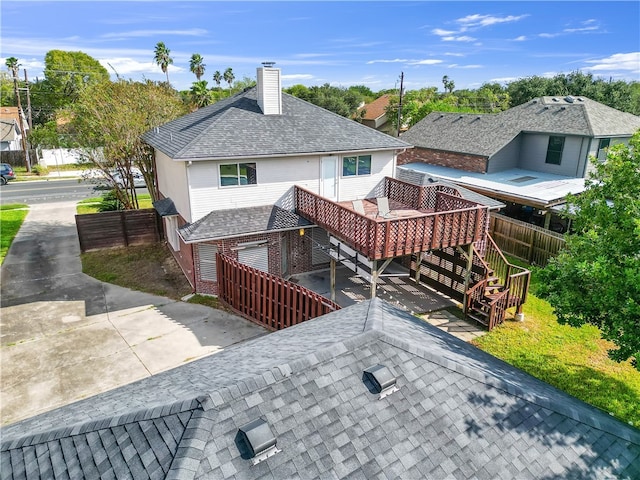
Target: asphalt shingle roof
242,221
459,413
486,134
236,128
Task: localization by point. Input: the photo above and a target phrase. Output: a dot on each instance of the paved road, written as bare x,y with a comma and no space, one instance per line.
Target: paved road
66,336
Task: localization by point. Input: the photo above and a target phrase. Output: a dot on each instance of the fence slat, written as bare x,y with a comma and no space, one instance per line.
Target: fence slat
265,298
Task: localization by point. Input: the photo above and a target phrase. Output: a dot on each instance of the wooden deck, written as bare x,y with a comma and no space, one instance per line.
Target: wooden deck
420,218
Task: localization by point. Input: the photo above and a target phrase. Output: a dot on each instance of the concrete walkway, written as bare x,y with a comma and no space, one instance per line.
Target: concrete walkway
65,335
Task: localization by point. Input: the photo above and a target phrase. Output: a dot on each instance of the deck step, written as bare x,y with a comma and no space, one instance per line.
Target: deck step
482,320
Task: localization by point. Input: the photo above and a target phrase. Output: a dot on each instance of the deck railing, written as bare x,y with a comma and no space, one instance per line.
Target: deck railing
455,221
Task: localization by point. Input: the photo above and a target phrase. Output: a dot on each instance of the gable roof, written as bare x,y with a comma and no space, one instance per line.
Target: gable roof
458,413
377,108
486,134
236,128
241,221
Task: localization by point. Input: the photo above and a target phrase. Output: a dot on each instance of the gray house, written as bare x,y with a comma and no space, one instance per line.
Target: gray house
530,156
365,392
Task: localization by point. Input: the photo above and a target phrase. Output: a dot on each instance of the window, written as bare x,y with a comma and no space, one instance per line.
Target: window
554,150
171,226
603,146
238,174
207,257
360,165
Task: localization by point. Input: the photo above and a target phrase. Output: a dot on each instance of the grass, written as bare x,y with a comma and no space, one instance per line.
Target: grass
11,218
572,359
90,205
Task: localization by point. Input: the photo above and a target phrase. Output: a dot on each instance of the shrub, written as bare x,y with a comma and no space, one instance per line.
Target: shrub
40,170
110,202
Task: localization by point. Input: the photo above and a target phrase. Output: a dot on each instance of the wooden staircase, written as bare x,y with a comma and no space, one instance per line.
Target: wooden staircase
503,286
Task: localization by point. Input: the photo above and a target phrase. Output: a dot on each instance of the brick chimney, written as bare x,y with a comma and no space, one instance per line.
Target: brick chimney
269,89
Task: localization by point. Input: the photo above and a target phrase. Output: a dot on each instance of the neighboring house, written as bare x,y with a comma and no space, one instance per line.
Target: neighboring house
10,133
10,138
226,175
530,156
446,410
374,115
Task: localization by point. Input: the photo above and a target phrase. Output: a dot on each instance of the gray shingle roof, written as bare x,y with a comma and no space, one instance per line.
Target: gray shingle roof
458,413
241,221
236,128
486,134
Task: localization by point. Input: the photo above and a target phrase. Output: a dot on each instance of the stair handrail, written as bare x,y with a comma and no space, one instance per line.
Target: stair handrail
497,309
510,277
470,294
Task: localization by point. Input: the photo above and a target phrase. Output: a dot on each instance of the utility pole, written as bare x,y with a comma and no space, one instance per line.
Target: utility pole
400,104
23,134
29,115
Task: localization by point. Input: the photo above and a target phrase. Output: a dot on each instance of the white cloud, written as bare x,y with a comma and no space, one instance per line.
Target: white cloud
617,61
298,76
462,38
521,38
451,54
395,60
581,29
442,33
479,21
431,61
548,35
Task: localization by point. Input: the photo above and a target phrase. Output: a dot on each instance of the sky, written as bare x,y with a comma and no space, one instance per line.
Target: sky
341,43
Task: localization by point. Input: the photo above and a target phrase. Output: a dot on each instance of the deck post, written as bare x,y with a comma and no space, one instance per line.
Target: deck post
418,264
374,278
467,273
332,278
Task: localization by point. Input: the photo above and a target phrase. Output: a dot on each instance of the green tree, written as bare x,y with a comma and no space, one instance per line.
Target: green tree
449,84
200,94
7,97
112,117
67,74
196,65
342,101
596,279
163,58
217,77
228,76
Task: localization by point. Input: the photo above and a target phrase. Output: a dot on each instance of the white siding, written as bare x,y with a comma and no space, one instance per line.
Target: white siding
276,179
172,183
352,188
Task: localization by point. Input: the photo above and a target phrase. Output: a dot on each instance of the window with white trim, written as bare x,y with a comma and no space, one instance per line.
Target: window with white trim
603,148
207,260
171,227
356,165
234,174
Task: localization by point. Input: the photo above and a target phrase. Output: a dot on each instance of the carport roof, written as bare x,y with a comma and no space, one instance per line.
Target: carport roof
458,413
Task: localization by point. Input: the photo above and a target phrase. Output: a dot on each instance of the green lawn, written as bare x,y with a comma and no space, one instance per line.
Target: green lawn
11,218
90,205
572,359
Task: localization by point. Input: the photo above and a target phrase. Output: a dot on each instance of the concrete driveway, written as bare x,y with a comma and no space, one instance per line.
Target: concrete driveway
65,336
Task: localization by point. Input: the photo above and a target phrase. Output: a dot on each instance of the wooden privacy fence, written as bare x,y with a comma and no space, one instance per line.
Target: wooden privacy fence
117,229
527,242
265,298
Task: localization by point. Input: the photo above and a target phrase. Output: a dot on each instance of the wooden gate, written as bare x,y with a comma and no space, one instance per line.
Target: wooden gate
265,298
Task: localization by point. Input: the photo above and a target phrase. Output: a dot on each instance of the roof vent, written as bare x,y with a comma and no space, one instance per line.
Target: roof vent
535,101
268,64
381,379
580,99
555,99
563,108
258,437
569,99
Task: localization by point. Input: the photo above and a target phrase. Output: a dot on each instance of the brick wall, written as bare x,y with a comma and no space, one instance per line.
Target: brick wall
461,161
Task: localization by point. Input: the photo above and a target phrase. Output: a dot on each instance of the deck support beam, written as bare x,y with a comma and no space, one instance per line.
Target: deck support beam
418,264
332,278
467,273
376,272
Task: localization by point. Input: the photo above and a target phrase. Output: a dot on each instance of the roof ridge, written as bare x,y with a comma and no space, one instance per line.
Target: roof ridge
516,390
134,416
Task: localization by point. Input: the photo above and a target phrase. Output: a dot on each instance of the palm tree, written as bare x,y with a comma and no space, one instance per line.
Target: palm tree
196,66
228,76
200,93
217,77
12,64
162,58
